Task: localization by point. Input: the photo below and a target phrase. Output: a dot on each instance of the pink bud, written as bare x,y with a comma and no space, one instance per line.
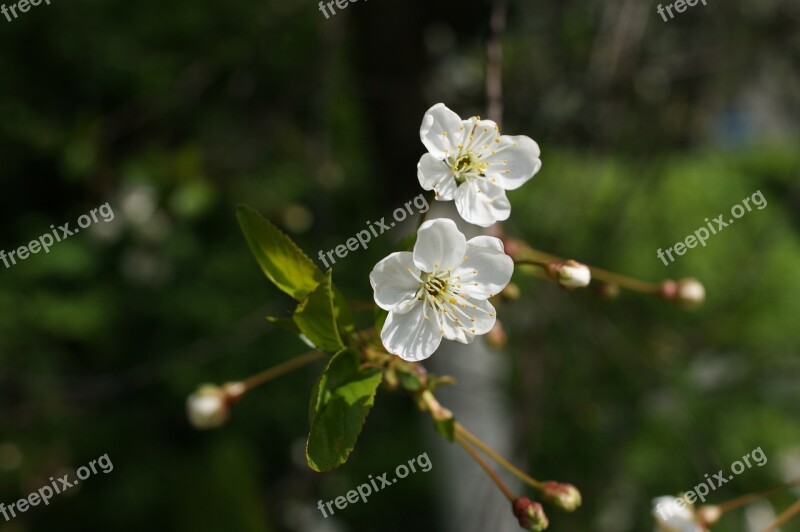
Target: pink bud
530,514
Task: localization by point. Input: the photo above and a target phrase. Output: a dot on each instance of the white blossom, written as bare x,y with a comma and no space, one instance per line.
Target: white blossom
439,290
672,516
470,162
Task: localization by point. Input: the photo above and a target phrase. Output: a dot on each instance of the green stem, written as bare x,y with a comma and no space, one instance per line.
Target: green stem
430,197
539,258
463,432
489,471
281,369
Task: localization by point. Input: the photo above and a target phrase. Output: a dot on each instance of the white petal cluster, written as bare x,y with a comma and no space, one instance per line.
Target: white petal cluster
673,517
441,290
470,162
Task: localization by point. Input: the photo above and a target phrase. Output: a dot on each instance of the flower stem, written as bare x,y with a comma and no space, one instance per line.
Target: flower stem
747,499
539,257
489,471
494,61
463,432
541,264
281,369
784,517
430,196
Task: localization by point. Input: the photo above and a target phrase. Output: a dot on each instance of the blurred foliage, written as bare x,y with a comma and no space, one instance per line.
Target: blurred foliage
174,113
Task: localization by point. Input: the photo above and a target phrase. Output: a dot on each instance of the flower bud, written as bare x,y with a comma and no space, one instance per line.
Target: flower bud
570,274
708,514
208,407
497,337
689,293
565,496
530,514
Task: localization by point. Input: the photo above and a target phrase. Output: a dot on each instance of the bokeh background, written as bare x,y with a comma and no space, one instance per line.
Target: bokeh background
175,112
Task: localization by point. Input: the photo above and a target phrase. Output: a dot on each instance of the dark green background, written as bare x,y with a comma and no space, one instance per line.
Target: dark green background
174,112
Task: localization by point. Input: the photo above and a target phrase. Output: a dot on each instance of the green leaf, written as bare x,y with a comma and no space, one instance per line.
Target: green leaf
280,259
340,403
284,323
447,428
316,317
344,318
409,381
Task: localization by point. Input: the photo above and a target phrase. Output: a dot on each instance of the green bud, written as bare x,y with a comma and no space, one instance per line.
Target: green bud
565,496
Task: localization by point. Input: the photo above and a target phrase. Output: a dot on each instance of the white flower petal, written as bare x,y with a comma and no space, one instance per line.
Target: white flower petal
483,137
515,161
482,203
672,517
575,275
455,331
392,282
474,318
410,336
440,246
487,269
440,131
436,175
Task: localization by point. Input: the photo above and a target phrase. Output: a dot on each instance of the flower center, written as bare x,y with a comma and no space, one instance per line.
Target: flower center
434,286
467,166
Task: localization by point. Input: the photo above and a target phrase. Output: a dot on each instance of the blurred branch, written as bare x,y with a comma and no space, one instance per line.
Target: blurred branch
494,61
784,517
